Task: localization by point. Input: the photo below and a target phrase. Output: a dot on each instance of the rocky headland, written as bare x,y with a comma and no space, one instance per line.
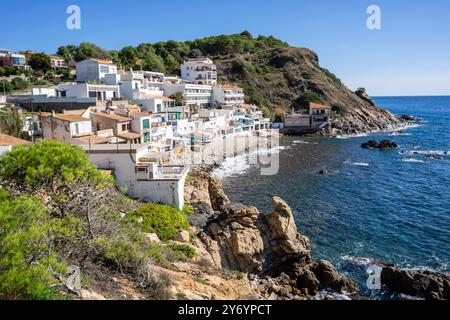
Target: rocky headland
267,248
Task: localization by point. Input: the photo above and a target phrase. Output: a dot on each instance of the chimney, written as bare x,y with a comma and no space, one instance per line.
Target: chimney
53,113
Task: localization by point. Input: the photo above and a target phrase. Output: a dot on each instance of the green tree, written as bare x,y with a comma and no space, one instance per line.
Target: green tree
5,87
53,170
30,266
178,97
40,62
128,57
306,98
171,63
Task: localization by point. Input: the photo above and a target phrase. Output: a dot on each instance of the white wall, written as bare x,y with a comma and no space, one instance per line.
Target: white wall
164,191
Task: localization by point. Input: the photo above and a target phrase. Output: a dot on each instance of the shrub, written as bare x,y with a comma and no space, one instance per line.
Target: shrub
30,265
332,76
306,98
182,250
164,220
339,109
306,76
243,68
19,83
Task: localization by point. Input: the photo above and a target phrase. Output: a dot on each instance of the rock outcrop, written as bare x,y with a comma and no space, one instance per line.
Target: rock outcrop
283,77
269,247
384,144
422,284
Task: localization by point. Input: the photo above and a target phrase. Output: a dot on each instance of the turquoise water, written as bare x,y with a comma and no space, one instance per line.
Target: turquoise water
387,205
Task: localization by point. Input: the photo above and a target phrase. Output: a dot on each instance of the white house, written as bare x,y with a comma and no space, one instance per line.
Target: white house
155,103
58,62
94,70
86,90
65,127
199,71
195,96
140,171
228,95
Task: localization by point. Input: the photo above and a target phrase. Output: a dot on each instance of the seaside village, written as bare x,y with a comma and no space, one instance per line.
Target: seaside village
136,124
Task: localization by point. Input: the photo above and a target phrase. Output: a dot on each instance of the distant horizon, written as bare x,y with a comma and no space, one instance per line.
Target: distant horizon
408,56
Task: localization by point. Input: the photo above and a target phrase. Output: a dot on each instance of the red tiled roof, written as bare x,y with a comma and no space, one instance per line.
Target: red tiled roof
113,116
6,140
318,106
70,117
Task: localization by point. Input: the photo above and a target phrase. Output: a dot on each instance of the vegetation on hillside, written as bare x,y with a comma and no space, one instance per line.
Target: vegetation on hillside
57,210
167,56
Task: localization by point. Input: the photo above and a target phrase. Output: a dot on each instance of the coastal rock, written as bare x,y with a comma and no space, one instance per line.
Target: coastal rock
384,144
388,144
422,284
239,237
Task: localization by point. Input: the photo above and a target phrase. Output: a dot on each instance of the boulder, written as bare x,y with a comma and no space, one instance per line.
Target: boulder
370,144
384,144
152,238
183,237
387,144
90,295
417,283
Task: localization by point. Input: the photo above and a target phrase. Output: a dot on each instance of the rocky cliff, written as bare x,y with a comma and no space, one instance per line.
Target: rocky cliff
283,79
266,247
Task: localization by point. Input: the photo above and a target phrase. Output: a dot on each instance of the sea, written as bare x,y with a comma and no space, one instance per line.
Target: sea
372,205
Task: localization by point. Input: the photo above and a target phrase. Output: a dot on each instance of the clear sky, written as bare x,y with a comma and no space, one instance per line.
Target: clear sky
410,55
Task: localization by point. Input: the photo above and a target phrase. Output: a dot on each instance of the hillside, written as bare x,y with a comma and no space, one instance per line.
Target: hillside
274,75
284,79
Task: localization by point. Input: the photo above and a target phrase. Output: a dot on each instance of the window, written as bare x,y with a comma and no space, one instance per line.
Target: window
146,124
104,69
147,136
141,169
158,107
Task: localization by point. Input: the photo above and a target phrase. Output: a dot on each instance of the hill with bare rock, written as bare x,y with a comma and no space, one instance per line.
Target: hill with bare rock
287,78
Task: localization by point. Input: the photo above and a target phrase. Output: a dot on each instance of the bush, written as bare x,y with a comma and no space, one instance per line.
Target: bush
182,250
164,220
243,68
30,265
306,76
19,83
339,109
306,98
5,87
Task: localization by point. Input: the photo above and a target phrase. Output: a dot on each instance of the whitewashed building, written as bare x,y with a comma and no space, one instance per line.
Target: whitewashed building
65,127
85,90
141,173
228,95
95,70
195,96
199,71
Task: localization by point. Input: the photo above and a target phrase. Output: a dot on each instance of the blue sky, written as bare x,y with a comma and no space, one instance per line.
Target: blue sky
410,55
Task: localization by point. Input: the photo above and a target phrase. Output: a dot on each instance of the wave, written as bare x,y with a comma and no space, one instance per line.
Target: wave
304,142
429,152
358,164
412,160
392,131
242,163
